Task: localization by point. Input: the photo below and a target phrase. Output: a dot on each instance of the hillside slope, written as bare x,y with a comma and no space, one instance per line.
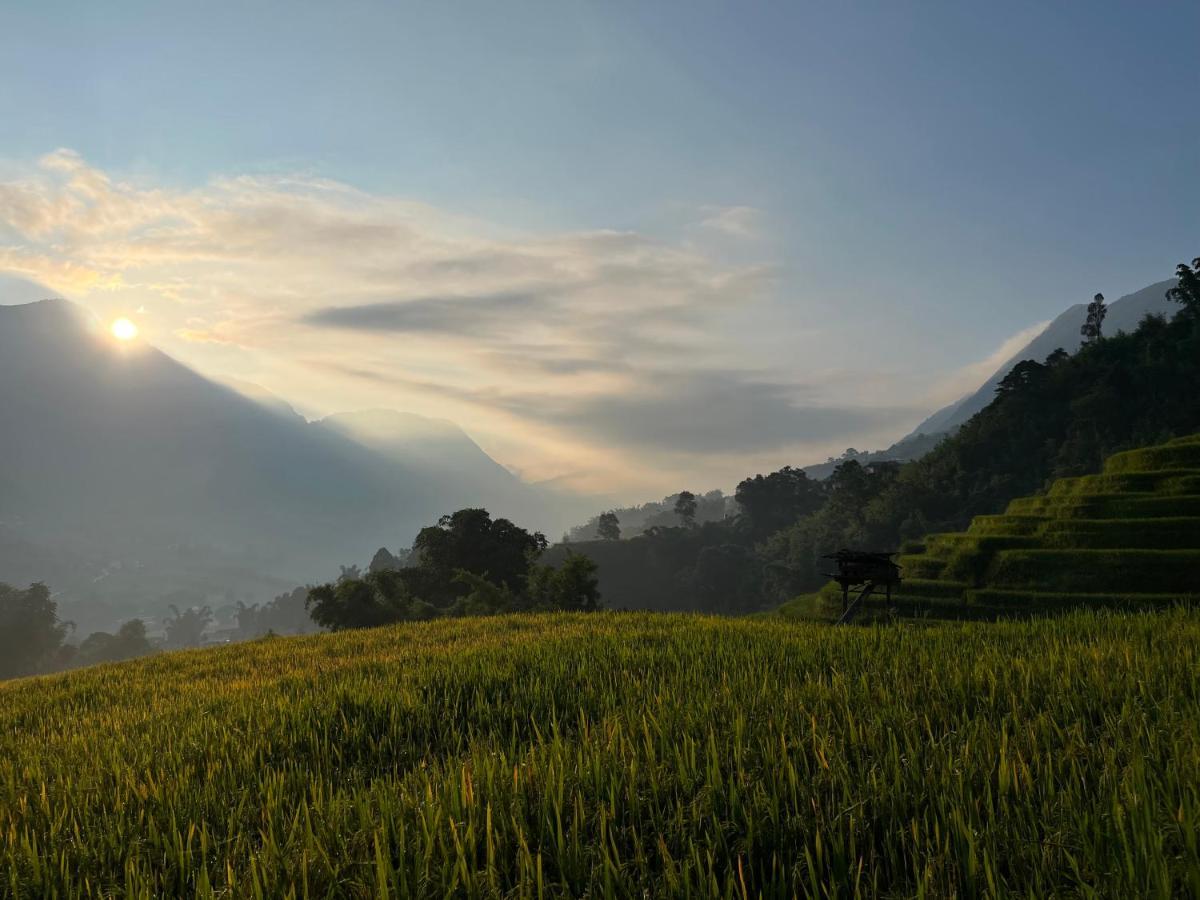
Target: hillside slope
617,755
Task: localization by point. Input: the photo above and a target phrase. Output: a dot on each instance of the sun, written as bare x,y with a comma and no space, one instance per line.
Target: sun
124,330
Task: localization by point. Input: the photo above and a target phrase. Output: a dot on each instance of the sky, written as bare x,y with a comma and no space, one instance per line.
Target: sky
629,247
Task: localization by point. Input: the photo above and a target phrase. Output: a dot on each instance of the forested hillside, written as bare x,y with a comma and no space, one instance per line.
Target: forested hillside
1059,417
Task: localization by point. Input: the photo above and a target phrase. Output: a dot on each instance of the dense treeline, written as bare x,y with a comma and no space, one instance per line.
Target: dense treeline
712,506
466,564
1049,419
33,639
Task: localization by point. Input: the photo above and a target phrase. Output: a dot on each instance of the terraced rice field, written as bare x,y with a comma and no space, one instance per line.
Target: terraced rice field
619,755
1128,537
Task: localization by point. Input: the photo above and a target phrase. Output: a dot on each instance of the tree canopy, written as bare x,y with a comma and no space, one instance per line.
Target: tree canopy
1093,326
1187,291
773,501
467,564
608,528
685,508
31,635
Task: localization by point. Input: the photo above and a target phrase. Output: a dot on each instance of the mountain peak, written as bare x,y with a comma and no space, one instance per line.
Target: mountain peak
50,306
53,323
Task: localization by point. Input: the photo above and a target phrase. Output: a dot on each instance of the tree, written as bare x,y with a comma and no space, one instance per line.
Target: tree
472,541
608,527
1025,378
724,578
572,586
186,628
1096,311
129,642
685,508
1187,291
378,598
31,635
286,614
779,499
247,619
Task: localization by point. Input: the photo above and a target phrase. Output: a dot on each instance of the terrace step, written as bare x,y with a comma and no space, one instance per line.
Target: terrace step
1173,533
927,587
1164,481
1182,455
1108,506
1006,524
920,566
1040,600
1094,571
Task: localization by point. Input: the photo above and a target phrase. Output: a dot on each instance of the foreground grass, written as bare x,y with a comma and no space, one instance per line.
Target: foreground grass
619,755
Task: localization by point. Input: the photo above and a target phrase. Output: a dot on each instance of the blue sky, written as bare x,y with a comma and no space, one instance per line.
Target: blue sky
914,183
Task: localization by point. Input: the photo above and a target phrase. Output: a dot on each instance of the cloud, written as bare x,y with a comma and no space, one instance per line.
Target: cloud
449,315
718,412
733,221
969,378
605,350
683,413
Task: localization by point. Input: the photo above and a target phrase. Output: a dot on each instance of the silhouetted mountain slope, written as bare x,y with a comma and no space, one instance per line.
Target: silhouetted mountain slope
119,452
437,444
1123,315
122,443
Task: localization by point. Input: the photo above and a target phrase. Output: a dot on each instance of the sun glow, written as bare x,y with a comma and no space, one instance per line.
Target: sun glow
124,330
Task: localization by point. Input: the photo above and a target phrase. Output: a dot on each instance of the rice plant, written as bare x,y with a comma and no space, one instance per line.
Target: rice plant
619,755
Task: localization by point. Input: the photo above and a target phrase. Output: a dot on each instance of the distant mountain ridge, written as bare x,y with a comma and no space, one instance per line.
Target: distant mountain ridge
116,460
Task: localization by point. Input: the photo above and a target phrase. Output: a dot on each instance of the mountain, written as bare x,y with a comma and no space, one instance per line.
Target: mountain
126,476
1123,315
446,454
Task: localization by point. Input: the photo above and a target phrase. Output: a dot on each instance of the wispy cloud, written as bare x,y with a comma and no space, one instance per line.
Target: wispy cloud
735,221
600,350
968,378
469,315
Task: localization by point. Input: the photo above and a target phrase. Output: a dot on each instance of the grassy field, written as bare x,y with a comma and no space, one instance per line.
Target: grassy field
619,755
